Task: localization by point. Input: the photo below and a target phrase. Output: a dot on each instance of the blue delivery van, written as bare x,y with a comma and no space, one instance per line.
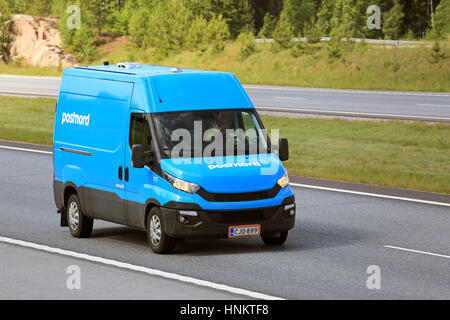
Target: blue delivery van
132,145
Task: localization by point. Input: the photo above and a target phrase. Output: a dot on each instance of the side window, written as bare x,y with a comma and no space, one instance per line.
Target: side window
140,132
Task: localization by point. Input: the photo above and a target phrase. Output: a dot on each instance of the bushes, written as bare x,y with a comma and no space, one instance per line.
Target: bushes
283,33
393,21
196,37
217,33
169,27
436,53
79,41
442,20
270,22
6,29
137,27
248,44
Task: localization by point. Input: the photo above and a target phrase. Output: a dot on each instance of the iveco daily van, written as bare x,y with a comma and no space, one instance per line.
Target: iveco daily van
119,156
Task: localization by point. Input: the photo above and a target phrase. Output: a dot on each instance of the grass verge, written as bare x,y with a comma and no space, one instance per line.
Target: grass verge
411,155
27,119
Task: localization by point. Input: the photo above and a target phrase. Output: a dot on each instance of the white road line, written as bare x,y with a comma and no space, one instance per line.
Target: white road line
34,94
289,98
16,76
402,93
28,150
371,194
358,114
433,105
418,251
154,272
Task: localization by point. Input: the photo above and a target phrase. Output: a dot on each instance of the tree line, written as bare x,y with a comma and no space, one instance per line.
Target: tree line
171,25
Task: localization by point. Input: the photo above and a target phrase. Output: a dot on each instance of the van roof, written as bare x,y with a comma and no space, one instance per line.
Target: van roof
170,89
127,68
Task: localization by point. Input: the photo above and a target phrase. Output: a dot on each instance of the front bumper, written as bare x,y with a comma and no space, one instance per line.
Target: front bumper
215,223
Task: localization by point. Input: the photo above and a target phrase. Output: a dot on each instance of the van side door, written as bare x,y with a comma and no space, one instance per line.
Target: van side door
89,154
138,181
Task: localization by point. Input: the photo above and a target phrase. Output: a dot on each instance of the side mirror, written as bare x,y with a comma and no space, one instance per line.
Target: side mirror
283,149
137,156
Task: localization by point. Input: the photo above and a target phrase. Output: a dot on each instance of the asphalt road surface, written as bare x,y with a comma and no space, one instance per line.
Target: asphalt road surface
32,274
336,239
352,103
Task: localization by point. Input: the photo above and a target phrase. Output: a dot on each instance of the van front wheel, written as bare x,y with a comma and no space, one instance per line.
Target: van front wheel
275,239
80,226
158,240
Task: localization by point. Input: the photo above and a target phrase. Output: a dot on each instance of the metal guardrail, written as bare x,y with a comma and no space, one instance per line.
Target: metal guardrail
375,41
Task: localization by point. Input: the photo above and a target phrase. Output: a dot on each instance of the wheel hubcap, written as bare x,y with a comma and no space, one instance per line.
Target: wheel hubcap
74,216
155,231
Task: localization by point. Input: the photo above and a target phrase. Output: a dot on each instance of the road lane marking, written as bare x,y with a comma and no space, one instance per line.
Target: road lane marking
29,77
289,98
28,150
30,94
154,272
433,105
355,114
371,194
403,93
418,251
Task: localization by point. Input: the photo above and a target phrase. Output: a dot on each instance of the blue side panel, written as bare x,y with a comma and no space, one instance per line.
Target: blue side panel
91,117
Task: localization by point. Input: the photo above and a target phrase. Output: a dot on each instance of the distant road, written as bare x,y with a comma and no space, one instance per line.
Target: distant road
426,106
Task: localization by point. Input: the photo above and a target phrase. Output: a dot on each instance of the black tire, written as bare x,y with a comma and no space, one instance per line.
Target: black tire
85,224
275,241
165,244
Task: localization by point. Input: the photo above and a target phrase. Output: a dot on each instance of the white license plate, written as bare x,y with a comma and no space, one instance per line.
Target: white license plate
252,230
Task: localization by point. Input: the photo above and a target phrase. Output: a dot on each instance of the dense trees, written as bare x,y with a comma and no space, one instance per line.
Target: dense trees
174,24
441,19
393,22
5,31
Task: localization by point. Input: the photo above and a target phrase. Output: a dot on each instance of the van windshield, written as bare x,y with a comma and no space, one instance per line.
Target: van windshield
210,133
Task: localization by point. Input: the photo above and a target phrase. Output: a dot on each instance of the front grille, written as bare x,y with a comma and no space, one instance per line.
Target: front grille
244,216
236,197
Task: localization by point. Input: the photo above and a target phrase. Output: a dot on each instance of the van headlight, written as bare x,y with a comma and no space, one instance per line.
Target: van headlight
283,181
182,185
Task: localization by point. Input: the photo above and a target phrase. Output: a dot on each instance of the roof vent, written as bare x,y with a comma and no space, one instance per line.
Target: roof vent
176,70
128,65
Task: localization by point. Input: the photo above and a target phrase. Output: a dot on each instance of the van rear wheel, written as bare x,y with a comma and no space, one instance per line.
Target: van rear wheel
275,239
80,226
158,240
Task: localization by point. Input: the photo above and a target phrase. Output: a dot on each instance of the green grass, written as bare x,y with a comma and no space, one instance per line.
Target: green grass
30,70
363,67
360,66
28,120
412,155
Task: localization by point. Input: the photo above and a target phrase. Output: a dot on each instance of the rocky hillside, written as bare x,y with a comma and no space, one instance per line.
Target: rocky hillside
37,42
